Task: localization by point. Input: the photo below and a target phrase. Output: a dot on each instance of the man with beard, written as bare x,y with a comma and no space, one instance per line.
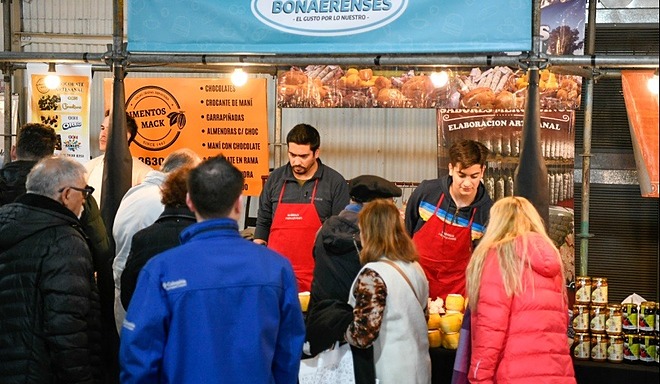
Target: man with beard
295,201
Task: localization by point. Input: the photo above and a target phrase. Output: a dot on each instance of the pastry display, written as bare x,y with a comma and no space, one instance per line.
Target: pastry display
329,86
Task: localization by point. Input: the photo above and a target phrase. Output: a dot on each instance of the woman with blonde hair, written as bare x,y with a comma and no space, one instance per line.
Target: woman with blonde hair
518,300
389,298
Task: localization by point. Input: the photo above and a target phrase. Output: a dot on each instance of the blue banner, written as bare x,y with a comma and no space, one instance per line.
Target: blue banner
329,26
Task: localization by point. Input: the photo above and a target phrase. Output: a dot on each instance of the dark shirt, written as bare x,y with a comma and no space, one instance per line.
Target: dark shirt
331,195
150,241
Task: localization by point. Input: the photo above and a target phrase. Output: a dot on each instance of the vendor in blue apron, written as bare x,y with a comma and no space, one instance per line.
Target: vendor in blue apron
446,216
295,201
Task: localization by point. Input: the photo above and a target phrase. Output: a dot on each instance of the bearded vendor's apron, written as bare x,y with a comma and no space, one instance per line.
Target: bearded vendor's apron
444,252
292,234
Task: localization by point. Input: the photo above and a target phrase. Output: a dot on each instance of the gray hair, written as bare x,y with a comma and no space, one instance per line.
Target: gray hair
180,158
51,174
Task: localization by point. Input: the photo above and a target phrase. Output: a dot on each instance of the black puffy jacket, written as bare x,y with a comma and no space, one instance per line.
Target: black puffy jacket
49,305
12,180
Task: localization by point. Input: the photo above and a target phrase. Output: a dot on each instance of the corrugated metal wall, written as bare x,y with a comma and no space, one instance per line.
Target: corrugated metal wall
66,25
398,144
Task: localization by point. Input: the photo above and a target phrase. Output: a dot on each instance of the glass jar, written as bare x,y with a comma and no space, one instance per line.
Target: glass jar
648,348
583,290
630,347
598,347
646,317
613,325
597,319
629,317
582,346
615,349
599,290
581,318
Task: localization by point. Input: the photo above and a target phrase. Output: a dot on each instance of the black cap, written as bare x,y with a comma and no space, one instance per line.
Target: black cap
368,187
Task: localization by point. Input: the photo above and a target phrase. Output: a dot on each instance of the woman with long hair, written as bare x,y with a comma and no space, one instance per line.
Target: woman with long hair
389,297
518,301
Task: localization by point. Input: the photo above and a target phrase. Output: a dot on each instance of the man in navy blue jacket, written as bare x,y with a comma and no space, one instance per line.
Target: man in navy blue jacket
217,307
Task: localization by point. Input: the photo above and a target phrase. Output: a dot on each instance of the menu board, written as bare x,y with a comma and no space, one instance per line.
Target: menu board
209,116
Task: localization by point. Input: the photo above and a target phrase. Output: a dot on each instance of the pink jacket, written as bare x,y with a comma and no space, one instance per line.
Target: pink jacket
522,339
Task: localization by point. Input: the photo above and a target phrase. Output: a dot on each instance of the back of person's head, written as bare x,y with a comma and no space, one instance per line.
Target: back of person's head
304,134
35,141
468,153
383,234
510,218
180,158
131,126
51,174
174,188
214,186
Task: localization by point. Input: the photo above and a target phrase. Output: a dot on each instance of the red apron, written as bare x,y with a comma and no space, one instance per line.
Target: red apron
444,252
292,234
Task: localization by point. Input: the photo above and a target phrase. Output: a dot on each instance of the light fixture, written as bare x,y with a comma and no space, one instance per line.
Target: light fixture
652,83
52,80
239,77
439,79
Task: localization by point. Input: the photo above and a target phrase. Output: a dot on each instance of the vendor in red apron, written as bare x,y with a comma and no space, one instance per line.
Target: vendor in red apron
446,216
295,201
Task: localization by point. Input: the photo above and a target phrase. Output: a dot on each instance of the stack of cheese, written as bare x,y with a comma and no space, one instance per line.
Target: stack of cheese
445,319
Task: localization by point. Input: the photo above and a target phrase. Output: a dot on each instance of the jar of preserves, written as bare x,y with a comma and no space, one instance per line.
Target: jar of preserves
630,347
629,317
597,319
582,346
599,290
646,317
599,347
581,318
648,348
583,290
613,325
615,349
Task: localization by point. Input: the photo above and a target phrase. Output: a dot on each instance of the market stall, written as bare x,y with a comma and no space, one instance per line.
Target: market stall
490,81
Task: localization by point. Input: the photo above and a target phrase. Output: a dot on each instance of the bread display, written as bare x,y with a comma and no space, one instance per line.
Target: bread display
499,87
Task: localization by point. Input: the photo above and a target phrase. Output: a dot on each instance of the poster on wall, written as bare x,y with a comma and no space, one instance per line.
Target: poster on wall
501,132
65,107
208,116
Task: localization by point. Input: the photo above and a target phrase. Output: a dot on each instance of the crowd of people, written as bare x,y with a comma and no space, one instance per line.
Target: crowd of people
173,293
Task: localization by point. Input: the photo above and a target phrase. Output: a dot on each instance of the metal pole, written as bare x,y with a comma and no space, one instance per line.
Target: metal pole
586,153
7,71
385,61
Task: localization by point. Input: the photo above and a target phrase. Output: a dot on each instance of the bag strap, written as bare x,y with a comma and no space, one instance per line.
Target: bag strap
405,277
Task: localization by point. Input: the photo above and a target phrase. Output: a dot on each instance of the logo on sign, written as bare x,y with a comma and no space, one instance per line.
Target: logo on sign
158,115
327,18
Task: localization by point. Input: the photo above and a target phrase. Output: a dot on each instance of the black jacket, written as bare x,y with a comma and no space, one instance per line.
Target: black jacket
150,241
336,258
49,305
12,180
337,263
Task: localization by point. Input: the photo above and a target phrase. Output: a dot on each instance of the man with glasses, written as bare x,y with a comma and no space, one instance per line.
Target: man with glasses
35,142
49,303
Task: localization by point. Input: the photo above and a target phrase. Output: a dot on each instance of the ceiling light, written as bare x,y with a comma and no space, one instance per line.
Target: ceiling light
239,77
52,80
652,83
439,79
